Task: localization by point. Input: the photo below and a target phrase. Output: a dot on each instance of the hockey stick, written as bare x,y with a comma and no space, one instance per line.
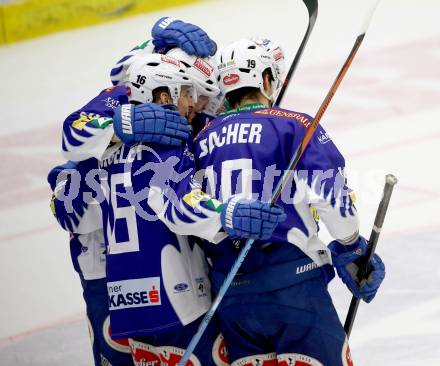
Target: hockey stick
285,178
312,8
390,182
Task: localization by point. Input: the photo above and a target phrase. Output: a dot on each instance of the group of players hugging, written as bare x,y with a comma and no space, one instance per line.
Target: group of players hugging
169,172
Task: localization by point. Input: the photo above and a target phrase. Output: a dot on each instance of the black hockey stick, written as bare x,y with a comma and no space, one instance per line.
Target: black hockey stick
390,182
285,178
312,8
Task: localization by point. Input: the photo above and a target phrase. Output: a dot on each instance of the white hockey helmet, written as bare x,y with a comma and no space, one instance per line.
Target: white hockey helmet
153,71
202,71
243,62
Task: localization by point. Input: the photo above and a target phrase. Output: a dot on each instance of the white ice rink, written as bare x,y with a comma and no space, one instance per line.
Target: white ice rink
385,118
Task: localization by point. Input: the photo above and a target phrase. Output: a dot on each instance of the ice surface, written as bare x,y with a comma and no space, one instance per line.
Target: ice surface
385,118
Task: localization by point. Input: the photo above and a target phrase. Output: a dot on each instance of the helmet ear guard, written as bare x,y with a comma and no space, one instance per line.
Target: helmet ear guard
154,71
243,63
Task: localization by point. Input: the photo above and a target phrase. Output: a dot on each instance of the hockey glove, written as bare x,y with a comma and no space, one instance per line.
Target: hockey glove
67,202
242,218
150,123
169,33
346,260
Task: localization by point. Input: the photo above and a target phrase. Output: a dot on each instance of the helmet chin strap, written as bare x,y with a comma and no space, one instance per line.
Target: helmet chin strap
270,98
275,86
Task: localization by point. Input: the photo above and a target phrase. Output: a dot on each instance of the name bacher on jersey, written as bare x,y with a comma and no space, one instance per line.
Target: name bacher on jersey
243,133
237,133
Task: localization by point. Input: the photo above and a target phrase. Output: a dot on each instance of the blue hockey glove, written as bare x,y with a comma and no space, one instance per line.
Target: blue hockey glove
150,123
242,218
67,202
346,261
169,33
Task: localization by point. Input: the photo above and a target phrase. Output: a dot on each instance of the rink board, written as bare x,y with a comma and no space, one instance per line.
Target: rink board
32,18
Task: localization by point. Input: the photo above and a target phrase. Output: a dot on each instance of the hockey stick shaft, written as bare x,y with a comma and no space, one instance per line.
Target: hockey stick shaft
312,8
284,179
390,182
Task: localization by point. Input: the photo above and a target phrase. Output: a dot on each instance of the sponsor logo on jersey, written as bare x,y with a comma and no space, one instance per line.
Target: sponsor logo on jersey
324,137
194,197
144,354
84,118
147,355
170,60
203,67
235,133
201,287
231,79
181,287
134,293
110,102
126,119
220,352
268,359
120,345
305,121
306,268
297,359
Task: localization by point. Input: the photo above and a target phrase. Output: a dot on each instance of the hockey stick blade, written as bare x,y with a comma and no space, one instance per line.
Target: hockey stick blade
390,182
312,8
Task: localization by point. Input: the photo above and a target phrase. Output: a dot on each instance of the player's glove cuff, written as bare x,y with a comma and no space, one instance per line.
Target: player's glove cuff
150,123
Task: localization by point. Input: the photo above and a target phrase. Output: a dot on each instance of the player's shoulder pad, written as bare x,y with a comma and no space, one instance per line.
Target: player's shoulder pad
299,118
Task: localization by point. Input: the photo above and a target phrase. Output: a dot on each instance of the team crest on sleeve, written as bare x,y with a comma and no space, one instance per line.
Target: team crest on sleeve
220,352
297,359
120,345
83,119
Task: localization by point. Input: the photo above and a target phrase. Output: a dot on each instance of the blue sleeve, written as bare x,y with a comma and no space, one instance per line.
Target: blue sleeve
73,212
88,131
177,198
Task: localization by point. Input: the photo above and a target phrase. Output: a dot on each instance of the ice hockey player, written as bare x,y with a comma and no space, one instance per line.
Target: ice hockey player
158,282
83,221
87,132
278,310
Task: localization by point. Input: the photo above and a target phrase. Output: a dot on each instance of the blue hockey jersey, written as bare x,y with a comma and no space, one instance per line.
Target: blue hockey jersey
157,281
246,151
